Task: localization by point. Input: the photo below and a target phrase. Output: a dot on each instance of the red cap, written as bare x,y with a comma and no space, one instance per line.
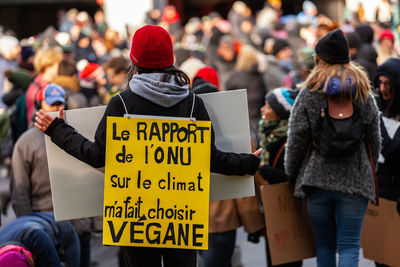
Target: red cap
92,72
152,48
209,74
388,34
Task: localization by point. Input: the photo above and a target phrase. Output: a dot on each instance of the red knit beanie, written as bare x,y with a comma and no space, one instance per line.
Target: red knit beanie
152,48
209,74
388,34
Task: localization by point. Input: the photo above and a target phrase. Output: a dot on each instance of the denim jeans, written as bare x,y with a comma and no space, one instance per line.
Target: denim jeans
220,249
337,219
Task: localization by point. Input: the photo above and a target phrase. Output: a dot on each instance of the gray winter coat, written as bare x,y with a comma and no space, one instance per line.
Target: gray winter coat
350,174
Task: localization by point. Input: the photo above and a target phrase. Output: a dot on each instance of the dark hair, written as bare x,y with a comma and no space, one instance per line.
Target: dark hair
180,77
353,39
118,64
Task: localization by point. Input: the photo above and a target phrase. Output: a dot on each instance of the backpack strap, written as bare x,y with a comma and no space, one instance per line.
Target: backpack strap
339,108
184,109
191,112
123,102
275,162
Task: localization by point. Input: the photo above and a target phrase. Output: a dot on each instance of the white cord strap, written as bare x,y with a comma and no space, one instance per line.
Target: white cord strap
191,112
123,102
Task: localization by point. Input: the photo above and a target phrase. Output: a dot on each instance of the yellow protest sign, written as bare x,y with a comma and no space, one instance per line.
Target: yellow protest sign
156,189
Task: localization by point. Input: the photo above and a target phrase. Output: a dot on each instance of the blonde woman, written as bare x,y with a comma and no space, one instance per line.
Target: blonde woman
46,63
337,187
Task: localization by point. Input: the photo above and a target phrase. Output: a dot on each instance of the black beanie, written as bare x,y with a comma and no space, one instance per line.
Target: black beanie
333,48
279,45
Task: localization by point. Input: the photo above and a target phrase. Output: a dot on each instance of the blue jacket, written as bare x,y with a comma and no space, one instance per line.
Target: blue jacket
49,241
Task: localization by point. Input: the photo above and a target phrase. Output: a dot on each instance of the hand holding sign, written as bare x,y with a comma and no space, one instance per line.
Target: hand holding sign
257,152
43,120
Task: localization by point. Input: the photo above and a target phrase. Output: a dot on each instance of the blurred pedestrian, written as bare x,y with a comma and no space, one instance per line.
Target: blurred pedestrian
305,65
30,182
205,81
247,76
20,80
387,84
272,131
25,58
279,64
84,49
93,82
225,60
46,63
171,18
68,20
385,11
9,51
367,55
36,239
116,69
385,50
67,78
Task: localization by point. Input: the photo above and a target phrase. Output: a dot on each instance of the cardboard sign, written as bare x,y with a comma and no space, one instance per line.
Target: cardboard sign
380,236
78,189
289,231
157,180
230,119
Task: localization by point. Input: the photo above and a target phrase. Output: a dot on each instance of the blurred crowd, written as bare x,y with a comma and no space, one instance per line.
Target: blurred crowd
84,63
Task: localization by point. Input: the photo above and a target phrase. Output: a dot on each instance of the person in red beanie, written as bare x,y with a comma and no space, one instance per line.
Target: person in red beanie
170,17
156,87
385,49
92,82
208,74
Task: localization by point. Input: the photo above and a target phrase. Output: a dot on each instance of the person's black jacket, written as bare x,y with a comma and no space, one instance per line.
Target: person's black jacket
388,172
93,153
366,57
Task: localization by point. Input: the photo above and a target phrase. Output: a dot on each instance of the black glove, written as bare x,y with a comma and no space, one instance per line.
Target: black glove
272,175
254,237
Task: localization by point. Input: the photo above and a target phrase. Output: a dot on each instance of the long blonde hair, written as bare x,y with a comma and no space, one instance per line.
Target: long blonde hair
247,58
323,72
